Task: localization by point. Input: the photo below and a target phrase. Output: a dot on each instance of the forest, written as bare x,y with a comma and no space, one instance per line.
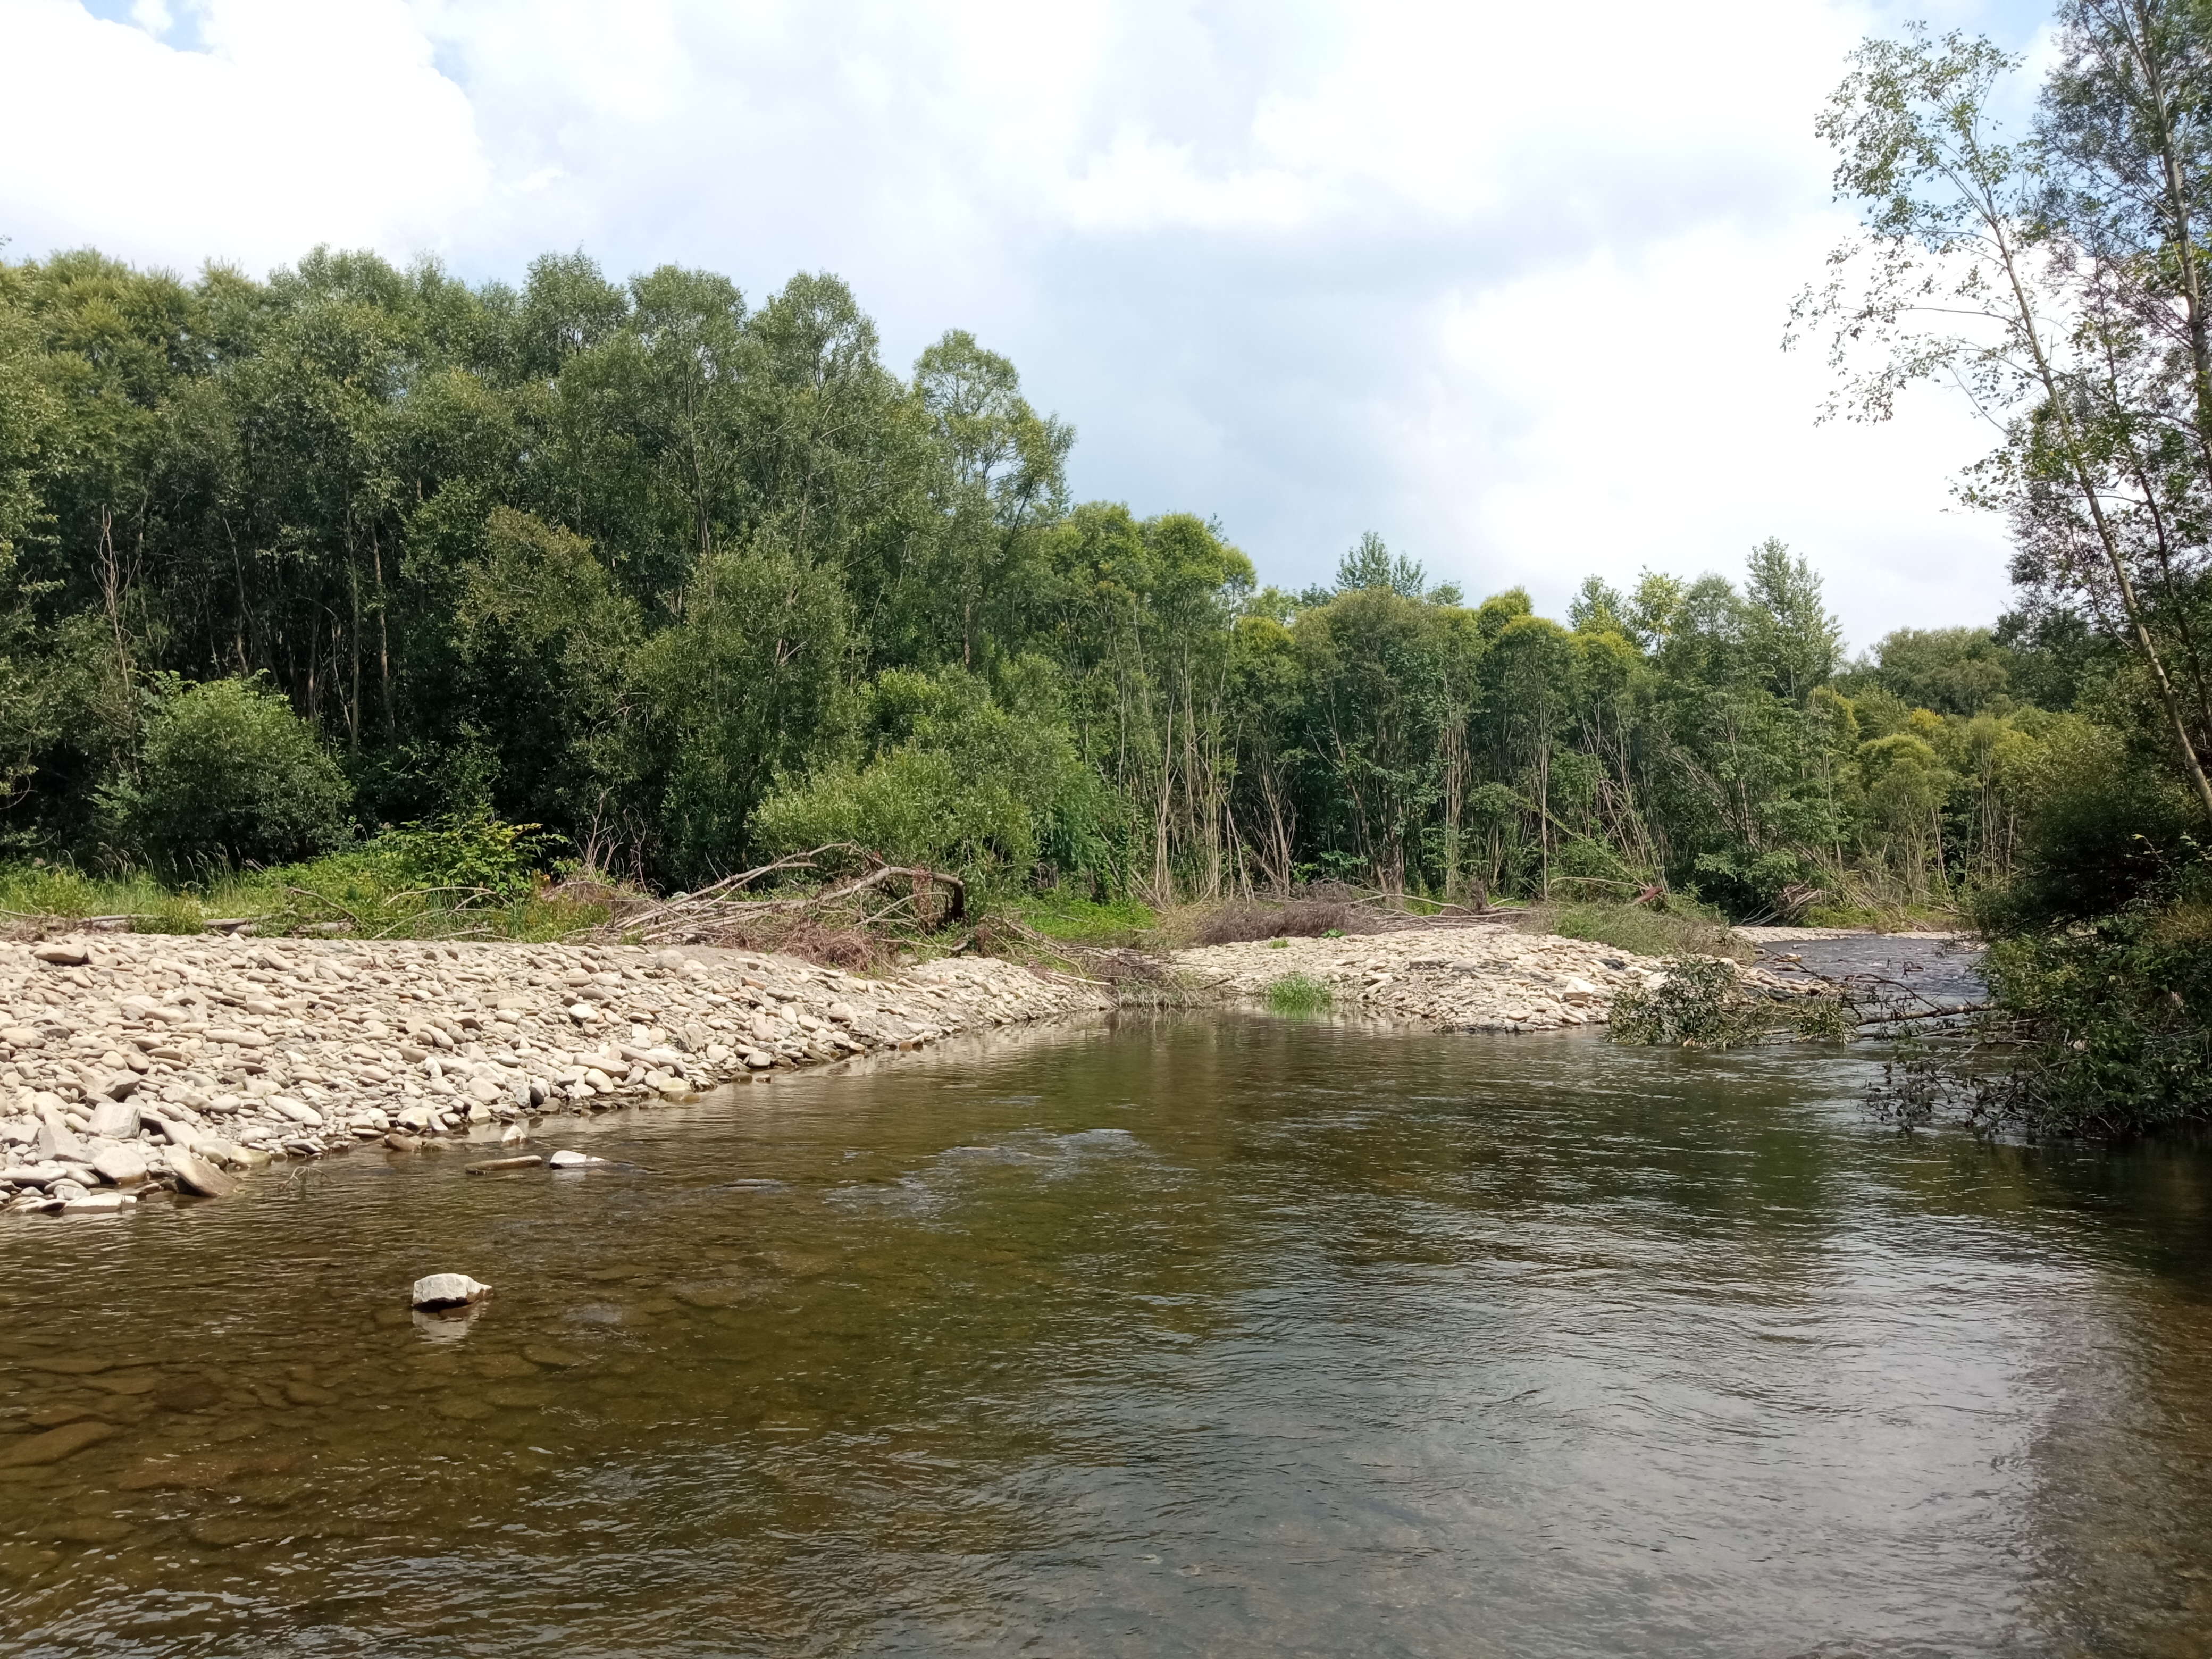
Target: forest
686,581
692,584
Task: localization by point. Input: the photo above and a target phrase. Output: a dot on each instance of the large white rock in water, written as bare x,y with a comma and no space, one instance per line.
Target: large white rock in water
565,1159
448,1291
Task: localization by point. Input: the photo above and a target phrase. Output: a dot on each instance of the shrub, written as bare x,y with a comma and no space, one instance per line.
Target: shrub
1703,1004
227,776
469,856
2103,826
953,779
2107,1025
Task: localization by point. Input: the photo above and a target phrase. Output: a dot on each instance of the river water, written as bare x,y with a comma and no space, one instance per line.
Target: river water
1216,1336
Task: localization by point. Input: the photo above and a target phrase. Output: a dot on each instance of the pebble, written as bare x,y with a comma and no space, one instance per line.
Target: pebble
115,1120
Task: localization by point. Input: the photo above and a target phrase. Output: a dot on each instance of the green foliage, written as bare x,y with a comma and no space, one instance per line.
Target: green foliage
464,878
1059,915
1299,994
1702,1003
949,776
2102,826
2115,1017
656,566
229,777
478,857
1371,567
1949,670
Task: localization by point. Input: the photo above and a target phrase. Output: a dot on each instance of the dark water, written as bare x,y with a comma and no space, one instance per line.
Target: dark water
1204,1337
1916,973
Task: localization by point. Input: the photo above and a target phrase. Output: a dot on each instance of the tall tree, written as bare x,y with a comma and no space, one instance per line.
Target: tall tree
1960,274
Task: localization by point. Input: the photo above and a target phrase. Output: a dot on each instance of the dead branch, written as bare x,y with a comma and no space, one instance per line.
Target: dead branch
744,879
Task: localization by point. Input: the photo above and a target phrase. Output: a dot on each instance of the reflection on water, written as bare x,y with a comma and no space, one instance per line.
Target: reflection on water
1219,1337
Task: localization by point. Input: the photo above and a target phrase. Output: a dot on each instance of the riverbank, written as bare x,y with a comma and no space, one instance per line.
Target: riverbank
132,1065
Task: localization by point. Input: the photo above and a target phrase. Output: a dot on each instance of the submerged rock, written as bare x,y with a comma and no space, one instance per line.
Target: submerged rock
55,1445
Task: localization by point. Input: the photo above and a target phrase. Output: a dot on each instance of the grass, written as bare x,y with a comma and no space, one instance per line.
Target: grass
1678,931
1299,994
363,893
1073,921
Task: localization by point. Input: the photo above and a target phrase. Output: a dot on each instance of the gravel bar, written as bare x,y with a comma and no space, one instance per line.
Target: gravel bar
1457,979
132,1064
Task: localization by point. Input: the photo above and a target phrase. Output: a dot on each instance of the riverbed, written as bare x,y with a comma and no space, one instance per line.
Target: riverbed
1203,1334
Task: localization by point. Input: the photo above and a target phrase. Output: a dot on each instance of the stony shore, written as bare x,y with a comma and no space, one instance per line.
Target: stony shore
132,1066
1454,979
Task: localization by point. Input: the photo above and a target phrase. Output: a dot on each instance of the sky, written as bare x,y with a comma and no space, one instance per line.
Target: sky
1505,284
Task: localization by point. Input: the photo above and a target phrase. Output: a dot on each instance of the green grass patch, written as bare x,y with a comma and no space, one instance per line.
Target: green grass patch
1073,921
461,880
1677,931
1299,994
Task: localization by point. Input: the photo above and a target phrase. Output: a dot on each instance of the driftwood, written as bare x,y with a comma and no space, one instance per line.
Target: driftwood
729,884
718,906
1937,1012
918,874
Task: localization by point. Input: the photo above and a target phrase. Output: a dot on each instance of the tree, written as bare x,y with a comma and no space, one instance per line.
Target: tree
1788,633
1371,567
1962,273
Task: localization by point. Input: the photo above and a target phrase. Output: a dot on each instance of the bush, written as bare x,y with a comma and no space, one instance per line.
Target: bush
1703,1004
953,779
2112,1020
473,857
228,776
2104,827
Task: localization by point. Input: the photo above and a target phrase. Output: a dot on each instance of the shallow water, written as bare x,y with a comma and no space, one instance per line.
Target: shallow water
1202,1336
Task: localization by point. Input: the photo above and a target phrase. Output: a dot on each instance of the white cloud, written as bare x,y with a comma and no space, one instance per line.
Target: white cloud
291,125
1502,281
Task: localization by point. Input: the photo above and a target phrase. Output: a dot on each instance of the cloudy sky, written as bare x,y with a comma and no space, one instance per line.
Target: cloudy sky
1503,282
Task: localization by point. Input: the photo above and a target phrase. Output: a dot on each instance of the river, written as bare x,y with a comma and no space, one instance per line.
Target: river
1215,1335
